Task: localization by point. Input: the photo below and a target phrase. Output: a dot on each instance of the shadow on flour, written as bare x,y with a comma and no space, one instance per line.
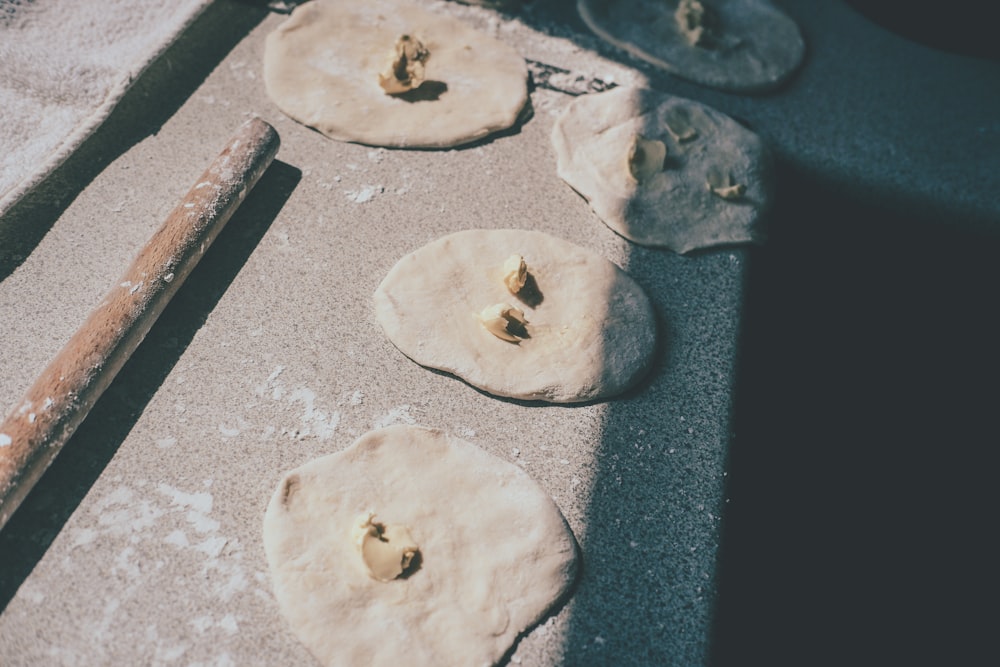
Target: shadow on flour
152,101
40,518
858,494
862,479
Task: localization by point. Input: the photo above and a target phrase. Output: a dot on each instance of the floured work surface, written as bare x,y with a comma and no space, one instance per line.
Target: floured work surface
144,545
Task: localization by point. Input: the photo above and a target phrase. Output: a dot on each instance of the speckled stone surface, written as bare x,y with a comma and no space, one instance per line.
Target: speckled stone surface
142,545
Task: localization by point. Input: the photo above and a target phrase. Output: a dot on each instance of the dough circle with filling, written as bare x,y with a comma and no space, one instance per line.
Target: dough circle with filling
590,332
751,45
495,552
322,66
711,186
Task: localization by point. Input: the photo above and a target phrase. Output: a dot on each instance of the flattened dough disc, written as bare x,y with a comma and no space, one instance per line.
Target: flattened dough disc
496,553
321,68
760,46
674,208
592,329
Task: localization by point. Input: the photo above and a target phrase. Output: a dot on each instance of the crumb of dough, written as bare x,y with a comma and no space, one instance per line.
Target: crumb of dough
698,22
721,183
405,70
505,322
678,123
387,551
515,273
645,158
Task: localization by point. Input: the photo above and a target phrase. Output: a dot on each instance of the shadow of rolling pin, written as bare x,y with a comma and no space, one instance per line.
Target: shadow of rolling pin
37,427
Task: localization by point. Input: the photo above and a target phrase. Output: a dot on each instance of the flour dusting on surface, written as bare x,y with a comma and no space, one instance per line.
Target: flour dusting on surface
365,194
397,415
314,421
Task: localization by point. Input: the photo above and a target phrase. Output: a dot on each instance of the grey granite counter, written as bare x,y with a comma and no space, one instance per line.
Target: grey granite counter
142,544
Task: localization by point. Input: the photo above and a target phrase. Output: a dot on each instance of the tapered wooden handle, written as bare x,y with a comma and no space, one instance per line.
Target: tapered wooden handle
37,427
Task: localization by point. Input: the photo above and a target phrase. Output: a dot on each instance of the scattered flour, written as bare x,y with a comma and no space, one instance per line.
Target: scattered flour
398,415
314,421
164,443
365,194
178,538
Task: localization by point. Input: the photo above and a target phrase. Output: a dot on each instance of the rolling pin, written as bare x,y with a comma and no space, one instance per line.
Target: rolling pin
37,427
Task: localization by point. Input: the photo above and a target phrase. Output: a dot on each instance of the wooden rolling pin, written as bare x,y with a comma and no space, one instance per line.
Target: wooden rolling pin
37,427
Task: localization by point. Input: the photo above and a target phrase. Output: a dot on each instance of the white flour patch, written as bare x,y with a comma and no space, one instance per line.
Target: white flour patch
152,536
397,415
200,502
126,563
178,538
84,536
164,651
29,592
212,546
357,398
236,583
121,513
5,440
201,523
198,506
229,624
164,443
107,618
202,623
272,380
314,421
365,194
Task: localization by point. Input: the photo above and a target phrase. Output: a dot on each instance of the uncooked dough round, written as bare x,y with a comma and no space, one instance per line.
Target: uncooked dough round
591,328
712,188
321,68
755,48
495,553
